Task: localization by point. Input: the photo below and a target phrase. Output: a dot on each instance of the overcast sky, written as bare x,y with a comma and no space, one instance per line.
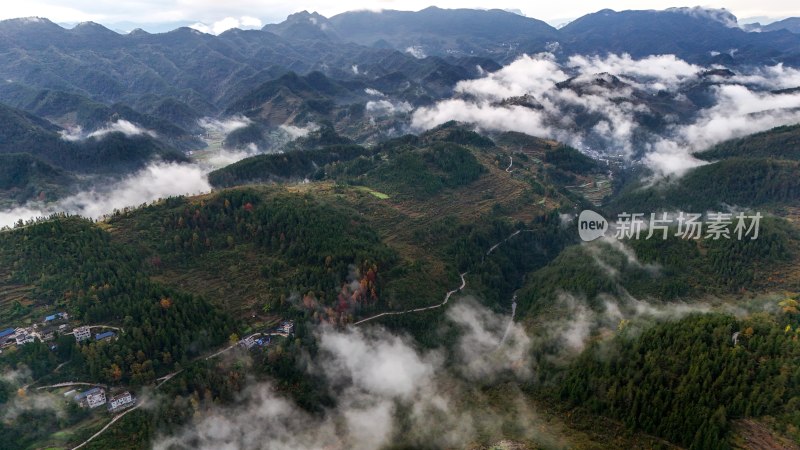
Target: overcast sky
157,15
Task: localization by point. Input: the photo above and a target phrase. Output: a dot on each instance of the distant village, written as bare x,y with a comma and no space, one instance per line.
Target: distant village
98,395
46,331
285,329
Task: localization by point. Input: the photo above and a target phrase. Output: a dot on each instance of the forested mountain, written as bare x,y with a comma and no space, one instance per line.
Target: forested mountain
502,35
778,143
205,71
790,24
364,231
689,381
23,132
755,171
201,70
71,110
26,177
433,31
746,182
694,34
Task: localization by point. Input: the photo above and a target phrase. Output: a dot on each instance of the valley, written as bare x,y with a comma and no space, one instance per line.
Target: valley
361,232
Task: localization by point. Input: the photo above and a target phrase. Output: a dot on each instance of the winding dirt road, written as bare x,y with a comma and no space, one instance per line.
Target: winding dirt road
71,383
511,321
449,294
102,430
447,297
425,308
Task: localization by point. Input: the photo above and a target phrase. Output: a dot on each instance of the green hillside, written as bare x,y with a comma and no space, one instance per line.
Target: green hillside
27,177
688,381
745,182
778,143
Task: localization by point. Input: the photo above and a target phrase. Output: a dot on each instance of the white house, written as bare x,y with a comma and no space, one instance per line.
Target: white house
121,401
82,333
248,342
23,338
92,398
287,326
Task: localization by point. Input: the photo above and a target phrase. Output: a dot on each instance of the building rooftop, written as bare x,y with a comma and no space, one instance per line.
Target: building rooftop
7,332
85,394
104,335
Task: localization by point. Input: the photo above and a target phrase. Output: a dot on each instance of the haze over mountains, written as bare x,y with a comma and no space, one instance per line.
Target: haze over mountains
373,75
359,232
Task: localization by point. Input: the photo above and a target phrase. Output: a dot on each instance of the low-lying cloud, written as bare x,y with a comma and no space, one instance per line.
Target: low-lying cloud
125,127
597,104
220,26
386,390
224,126
387,108
295,132
157,180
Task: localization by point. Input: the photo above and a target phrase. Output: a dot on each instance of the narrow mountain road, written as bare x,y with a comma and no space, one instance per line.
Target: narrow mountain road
70,383
161,382
251,336
511,321
425,308
166,378
102,430
447,297
121,330
508,169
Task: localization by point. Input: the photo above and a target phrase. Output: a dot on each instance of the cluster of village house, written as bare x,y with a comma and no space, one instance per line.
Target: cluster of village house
46,331
94,397
284,329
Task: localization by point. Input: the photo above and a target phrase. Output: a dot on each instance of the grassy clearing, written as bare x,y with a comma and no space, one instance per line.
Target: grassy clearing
377,194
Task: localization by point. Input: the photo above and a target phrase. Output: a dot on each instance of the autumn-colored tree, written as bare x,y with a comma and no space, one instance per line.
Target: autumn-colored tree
115,372
789,306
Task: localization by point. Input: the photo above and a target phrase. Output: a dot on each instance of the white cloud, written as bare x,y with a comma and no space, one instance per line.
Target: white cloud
72,134
490,343
295,132
386,108
225,126
377,377
722,16
155,12
770,77
374,92
597,109
120,126
226,157
416,51
221,26
158,180
656,72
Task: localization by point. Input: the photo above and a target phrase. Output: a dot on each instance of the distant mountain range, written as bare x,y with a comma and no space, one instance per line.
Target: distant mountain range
791,24
67,94
207,72
694,34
